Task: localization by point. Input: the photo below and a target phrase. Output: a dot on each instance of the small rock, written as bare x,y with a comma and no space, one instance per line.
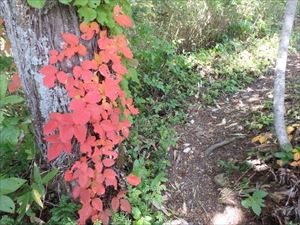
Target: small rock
220,180
186,144
192,121
187,150
176,222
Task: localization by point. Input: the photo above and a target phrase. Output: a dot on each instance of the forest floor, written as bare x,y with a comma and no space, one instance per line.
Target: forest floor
197,190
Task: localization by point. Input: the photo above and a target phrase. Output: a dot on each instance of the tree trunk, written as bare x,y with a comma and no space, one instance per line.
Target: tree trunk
32,33
279,86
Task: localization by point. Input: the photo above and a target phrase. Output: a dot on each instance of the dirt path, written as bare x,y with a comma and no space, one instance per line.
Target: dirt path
192,191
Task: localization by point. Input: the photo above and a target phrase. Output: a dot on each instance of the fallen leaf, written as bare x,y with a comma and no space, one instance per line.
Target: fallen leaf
133,180
290,129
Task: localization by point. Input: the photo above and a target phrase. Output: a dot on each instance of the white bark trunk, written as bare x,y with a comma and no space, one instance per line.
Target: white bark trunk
279,86
32,33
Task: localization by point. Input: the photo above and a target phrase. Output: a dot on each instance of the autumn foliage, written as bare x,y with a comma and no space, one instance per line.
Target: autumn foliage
98,116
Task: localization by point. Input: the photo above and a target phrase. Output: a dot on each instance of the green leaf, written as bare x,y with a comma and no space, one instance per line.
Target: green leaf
6,204
133,75
11,99
256,209
136,213
110,21
246,203
37,174
1,117
81,2
9,135
259,194
38,4
124,87
3,85
49,176
255,201
287,147
87,13
66,2
24,201
101,16
37,197
94,3
10,185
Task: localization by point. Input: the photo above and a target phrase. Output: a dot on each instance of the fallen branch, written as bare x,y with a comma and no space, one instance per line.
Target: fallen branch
221,144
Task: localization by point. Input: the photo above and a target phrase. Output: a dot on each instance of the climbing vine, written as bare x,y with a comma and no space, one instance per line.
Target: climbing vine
100,108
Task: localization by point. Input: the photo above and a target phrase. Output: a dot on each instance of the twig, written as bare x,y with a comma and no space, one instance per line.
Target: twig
221,144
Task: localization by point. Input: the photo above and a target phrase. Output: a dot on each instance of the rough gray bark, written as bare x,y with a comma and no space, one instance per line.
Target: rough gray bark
32,33
279,86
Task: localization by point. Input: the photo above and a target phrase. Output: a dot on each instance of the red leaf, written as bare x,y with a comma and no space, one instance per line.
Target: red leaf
122,20
70,38
125,205
133,180
115,204
80,133
108,162
77,104
86,148
84,27
119,68
50,126
94,26
100,189
67,147
111,182
76,192
62,77
49,81
104,70
125,132
89,64
88,35
83,180
53,56
66,133
85,213
82,50
98,165
52,139
107,125
104,218
49,70
15,83
127,52
87,76
77,71
81,117
121,194
54,151
68,175
92,97
97,204
109,174
85,197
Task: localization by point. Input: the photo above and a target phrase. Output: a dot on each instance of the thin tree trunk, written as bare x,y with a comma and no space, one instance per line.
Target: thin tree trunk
279,86
32,33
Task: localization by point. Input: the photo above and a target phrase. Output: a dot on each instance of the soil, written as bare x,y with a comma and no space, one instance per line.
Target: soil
193,193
